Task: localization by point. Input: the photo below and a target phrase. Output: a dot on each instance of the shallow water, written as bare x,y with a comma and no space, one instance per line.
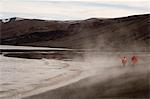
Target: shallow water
19,75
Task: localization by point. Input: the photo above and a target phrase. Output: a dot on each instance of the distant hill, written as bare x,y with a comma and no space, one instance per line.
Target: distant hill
113,34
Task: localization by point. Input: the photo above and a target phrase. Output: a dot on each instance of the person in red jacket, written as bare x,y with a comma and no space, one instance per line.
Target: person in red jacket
124,61
134,60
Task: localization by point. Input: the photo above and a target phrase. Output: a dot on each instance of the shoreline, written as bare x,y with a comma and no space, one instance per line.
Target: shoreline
69,74
81,80
74,77
122,85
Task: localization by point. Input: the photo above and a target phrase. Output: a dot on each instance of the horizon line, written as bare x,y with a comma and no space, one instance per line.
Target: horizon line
75,19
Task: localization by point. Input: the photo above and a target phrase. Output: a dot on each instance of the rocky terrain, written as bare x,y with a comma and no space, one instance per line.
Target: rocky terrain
113,34
79,59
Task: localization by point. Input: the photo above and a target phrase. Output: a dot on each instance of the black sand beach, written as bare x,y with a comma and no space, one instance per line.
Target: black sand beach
113,83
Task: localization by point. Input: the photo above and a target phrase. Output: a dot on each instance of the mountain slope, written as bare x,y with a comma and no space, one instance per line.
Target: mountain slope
116,34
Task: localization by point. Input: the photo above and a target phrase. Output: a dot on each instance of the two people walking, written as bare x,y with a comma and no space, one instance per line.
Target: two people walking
134,60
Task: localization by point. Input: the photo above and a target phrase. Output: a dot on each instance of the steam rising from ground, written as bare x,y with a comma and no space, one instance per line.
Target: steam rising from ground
92,71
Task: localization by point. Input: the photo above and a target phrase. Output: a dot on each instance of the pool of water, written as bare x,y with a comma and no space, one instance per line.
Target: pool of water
19,75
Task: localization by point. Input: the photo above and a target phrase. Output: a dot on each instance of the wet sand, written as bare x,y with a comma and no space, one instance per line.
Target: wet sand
26,77
93,77
111,83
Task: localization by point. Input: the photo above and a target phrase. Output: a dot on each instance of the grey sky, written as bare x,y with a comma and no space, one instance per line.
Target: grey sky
72,10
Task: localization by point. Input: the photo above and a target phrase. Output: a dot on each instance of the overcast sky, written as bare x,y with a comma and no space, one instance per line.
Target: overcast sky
72,10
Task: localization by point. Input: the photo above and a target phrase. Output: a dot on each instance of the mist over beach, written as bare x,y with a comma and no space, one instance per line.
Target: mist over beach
74,50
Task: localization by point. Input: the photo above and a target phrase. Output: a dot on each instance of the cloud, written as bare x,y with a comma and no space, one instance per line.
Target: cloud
63,10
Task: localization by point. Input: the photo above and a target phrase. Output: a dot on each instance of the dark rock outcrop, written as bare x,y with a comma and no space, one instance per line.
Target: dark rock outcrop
115,34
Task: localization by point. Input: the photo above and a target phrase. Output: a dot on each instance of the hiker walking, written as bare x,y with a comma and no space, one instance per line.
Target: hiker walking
134,60
124,61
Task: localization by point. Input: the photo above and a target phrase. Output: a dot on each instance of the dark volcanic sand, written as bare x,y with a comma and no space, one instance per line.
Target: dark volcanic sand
113,83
